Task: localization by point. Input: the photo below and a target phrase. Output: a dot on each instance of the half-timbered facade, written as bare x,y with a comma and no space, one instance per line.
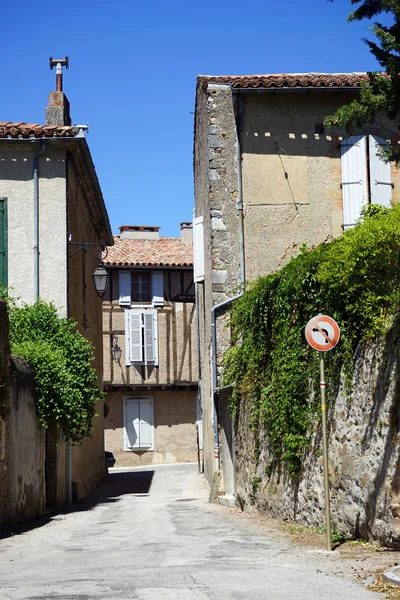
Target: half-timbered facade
150,356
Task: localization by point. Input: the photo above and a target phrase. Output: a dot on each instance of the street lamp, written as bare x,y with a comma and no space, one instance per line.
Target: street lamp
115,349
100,278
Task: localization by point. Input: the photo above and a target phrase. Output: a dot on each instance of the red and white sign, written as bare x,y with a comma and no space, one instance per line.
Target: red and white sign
322,333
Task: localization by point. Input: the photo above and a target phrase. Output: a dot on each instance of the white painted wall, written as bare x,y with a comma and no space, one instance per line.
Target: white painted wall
16,184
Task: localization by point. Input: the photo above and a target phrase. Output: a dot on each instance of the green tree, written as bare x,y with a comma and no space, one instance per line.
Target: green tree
382,93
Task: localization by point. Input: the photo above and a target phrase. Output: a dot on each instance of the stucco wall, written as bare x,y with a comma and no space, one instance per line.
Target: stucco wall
174,428
16,184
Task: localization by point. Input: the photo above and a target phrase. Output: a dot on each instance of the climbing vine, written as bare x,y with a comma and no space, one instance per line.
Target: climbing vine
66,385
355,279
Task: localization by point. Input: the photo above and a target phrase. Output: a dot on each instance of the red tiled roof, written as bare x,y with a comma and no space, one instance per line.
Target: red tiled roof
29,130
290,80
165,252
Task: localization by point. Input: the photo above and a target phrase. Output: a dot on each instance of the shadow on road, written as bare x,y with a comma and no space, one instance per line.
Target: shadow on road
114,486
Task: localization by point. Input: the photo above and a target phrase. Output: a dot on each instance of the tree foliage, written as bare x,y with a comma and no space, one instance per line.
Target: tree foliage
382,93
356,280
66,384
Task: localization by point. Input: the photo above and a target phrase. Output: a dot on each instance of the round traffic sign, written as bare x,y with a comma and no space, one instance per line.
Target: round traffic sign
322,333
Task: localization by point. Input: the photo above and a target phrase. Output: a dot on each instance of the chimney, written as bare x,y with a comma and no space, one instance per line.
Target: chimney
139,232
187,233
57,111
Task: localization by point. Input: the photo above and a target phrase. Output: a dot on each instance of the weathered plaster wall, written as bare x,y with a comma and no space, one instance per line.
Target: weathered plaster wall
291,175
85,307
16,174
364,457
22,442
174,428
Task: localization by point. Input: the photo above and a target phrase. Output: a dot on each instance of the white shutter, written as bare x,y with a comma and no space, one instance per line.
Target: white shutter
125,288
198,247
354,178
146,423
380,179
135,336
158,289
132,424
150,337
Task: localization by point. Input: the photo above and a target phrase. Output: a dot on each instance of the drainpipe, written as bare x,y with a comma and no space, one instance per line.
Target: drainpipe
36,221
199,394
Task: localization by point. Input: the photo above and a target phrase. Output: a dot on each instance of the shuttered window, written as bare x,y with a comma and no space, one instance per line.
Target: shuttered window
141,287
141,337
3,243
138,424
365,176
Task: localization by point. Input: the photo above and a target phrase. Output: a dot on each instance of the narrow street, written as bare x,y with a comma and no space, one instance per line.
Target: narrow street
150,534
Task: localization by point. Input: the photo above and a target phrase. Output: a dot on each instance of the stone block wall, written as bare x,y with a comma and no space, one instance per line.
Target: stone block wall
364,458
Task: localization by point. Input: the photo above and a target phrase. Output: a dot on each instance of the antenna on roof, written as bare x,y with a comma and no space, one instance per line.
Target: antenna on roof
59,63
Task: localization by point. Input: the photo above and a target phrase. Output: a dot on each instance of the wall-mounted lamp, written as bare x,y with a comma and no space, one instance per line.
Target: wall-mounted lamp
115,349
100,276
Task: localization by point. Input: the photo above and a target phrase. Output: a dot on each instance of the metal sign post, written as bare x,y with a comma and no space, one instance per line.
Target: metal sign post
323,333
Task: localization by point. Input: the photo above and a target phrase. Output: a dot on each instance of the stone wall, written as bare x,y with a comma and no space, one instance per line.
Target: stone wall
364,459
22,442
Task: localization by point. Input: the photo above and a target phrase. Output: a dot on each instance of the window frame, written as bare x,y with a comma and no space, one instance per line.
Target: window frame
128,335
139,447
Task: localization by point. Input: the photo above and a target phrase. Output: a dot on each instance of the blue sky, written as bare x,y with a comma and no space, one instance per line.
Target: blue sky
132,77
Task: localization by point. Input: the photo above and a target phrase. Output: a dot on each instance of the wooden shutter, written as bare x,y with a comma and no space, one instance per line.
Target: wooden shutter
135,344
125,288
380,177
354,178
158,289
198,243
150,337
146,423
3,243
132,423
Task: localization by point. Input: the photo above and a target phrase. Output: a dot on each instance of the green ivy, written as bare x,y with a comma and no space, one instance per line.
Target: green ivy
66,384
354,279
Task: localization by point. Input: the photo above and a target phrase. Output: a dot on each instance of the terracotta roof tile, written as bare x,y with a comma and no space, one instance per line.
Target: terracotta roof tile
165,252
289,80
29,130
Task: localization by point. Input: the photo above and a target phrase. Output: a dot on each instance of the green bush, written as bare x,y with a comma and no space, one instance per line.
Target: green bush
355,280
66,384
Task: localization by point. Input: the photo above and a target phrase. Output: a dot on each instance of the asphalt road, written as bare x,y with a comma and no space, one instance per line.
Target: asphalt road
151,534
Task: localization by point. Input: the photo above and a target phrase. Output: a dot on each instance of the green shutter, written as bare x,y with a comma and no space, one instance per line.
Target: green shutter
3,243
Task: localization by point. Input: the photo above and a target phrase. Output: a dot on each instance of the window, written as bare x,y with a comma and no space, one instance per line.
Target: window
365,176
138,424
141,287
3,242
141,337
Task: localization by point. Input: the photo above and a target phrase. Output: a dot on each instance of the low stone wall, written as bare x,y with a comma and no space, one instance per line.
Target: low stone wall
364,458
22,442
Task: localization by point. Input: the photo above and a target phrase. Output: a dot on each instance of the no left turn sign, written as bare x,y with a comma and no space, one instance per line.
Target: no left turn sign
322,333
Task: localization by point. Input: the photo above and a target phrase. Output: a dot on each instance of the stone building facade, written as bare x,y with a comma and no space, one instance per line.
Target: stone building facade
269,178
51,205
150,351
